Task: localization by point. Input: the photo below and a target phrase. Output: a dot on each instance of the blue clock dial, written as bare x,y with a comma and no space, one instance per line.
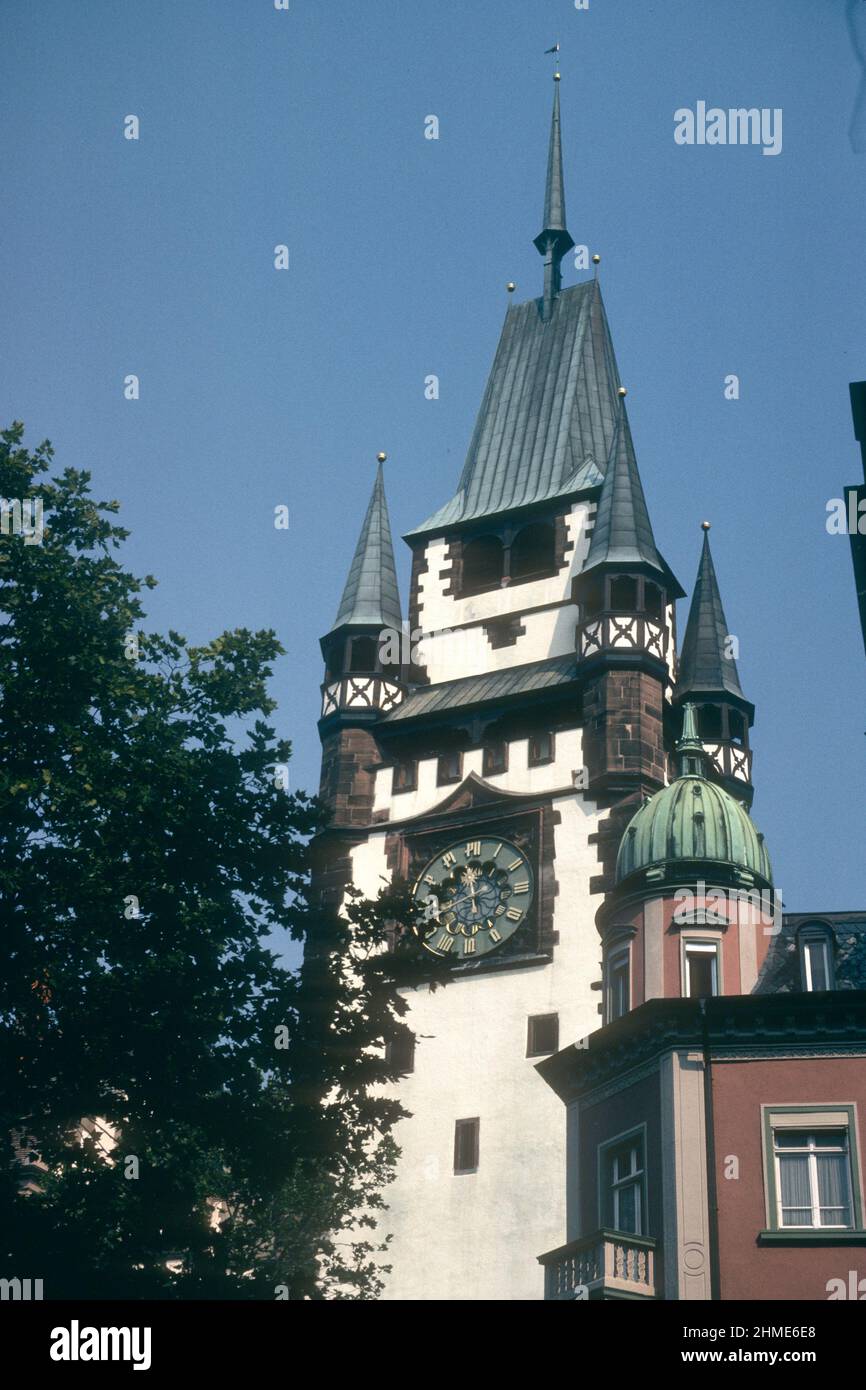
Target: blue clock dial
472,897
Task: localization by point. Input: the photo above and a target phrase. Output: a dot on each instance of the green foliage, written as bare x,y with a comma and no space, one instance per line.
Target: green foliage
147,851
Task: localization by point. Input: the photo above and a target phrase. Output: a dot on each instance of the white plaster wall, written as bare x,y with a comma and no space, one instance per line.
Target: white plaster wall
476,1236
449,654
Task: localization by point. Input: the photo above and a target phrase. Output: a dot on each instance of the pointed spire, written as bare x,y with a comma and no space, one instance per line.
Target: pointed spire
371,597
622,533
554,240
704,666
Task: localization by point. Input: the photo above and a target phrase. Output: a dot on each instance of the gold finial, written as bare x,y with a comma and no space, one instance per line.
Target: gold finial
596,260
380,458
556,77
705,526
511,287
622,391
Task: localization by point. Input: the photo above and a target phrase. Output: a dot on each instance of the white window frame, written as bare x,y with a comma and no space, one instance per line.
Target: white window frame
811,1149
618,956
704,946
815,936
609,1190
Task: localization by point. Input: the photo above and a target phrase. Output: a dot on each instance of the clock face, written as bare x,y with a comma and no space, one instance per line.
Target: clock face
473,896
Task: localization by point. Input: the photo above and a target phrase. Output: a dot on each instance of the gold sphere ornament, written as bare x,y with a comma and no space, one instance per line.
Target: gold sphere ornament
380,458
705,526
596,260
511,287
622,391
556,77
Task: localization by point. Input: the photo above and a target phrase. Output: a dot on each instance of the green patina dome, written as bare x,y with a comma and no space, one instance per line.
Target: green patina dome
692,820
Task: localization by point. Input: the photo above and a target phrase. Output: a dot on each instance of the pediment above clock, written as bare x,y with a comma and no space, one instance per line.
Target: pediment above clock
474,791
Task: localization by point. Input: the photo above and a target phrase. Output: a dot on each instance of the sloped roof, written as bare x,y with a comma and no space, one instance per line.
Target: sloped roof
547,419
371,597
622,533
704,668
477,690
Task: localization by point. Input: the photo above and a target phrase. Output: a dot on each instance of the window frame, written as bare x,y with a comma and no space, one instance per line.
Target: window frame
811,1118
449,781
476,1122
486,748
540,1051
702,943
816,934
607,1198
393,1044
412,784
535,761
617,954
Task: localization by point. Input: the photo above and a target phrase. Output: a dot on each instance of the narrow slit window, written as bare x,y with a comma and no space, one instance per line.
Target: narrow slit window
466,1135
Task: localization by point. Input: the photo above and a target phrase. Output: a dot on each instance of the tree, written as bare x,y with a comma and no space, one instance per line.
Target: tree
147,851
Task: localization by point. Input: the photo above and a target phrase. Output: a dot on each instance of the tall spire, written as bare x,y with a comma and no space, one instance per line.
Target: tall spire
554,240
622,533
705,666
371,597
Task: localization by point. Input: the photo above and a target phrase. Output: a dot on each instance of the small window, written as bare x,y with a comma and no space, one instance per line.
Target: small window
540,749
623,595
495,759
542,1035
618,984
364,651
652,600
400,1053
816,960
466,1146
701,969
449,767
813,1178
532,552
482,564
405,775
623,1177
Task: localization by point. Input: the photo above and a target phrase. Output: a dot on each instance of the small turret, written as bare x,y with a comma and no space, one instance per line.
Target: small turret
708,678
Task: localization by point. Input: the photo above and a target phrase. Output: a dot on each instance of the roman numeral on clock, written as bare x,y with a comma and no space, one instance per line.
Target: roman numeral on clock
445,942
518,864
469,946
448,860
522,886
473,849
514,914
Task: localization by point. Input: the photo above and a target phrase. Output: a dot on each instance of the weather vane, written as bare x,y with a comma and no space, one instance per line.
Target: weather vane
555,51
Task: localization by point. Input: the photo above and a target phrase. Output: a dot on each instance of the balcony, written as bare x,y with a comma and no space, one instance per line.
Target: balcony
605,1265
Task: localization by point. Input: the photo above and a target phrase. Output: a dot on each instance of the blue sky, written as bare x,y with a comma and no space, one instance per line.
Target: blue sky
261,388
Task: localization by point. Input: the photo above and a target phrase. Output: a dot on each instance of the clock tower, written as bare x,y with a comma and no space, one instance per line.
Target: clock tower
497,771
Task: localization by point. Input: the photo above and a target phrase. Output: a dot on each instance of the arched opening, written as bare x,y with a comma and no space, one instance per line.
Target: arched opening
533,552
593,596
482,564
652,600
623,594
710,723
363,656
736,727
